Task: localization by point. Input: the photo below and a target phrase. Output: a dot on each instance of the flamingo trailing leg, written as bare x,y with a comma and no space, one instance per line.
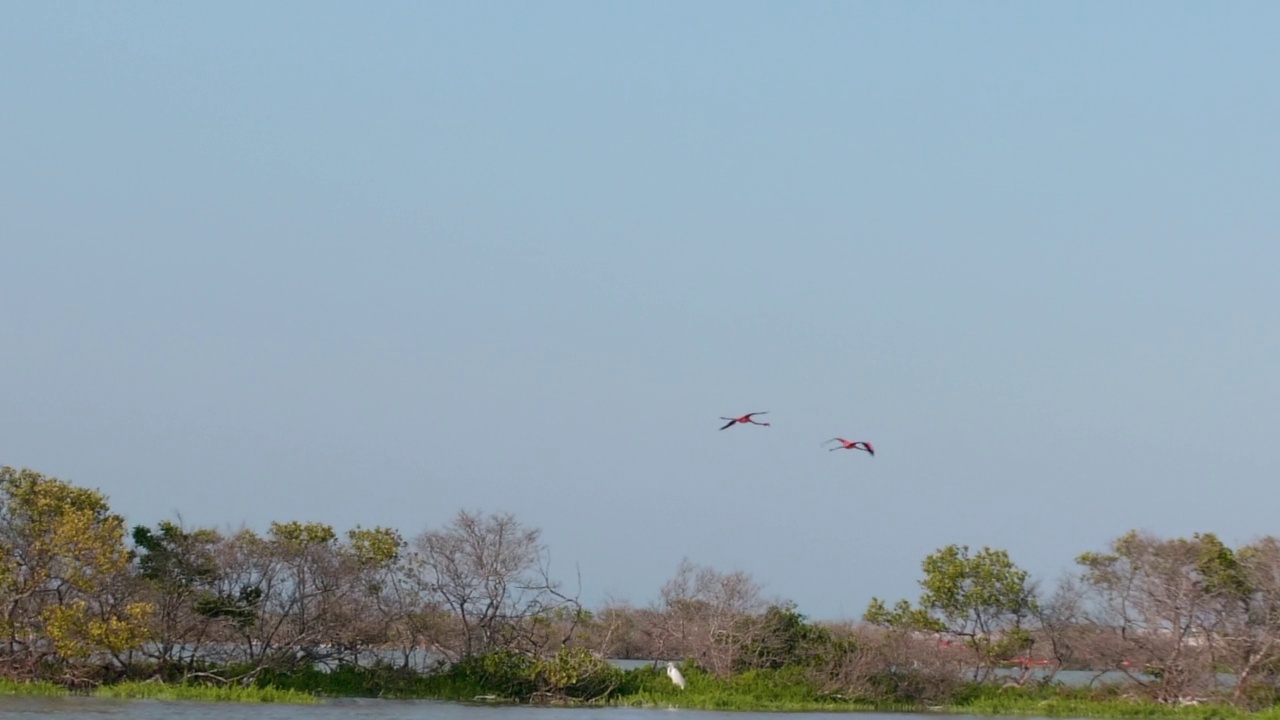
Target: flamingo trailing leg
744,420
862,445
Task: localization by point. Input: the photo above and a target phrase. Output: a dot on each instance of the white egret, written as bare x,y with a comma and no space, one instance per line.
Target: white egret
674,673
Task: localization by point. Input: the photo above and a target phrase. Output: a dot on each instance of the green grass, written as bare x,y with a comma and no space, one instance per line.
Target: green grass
208,693
1080,703
1114,709
784,690
164,691
788,692
46,689
755,690
1014,707
376,682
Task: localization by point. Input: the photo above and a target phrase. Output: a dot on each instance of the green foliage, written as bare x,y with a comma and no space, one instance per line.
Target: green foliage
503,672
1062,702
578,674
902,616
783,637
241,608
175,558
380,680
572,674
207,693
166,691
778,690
79,606
57,532
983,597
971,593
375,548
62,556
298,536
1222,572
76,633
760,690
36,688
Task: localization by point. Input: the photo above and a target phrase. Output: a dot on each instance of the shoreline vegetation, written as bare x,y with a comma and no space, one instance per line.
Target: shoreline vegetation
649,688
1181,627
144,690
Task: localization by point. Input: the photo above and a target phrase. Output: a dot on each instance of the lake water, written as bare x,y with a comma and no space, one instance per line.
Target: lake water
82,708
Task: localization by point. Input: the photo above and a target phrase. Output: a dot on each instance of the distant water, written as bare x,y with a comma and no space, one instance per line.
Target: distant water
633,664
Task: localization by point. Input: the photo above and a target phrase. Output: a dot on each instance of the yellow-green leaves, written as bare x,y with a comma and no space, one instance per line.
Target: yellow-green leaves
901,616
77,634
300,535
64,563
57,529
373,548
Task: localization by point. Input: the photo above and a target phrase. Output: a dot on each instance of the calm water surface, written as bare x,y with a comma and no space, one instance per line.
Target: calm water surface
78,708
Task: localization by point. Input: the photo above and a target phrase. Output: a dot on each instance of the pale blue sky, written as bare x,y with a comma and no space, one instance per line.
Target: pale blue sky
376,263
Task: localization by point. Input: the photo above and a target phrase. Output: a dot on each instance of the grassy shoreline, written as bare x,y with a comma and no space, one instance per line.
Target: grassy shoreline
134,690
705,695
1010,706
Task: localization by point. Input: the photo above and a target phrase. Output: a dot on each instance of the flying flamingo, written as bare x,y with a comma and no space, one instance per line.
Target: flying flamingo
745,419
852,445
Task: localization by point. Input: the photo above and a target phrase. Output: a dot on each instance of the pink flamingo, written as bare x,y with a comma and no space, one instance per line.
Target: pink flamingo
852,445
745,419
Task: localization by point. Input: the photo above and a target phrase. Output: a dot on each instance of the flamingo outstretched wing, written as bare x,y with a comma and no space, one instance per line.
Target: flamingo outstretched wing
744,419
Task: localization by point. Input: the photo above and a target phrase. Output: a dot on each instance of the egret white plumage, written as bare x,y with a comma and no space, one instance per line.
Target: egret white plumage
674,673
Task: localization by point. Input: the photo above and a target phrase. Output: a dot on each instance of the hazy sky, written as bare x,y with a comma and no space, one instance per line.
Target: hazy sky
376,263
